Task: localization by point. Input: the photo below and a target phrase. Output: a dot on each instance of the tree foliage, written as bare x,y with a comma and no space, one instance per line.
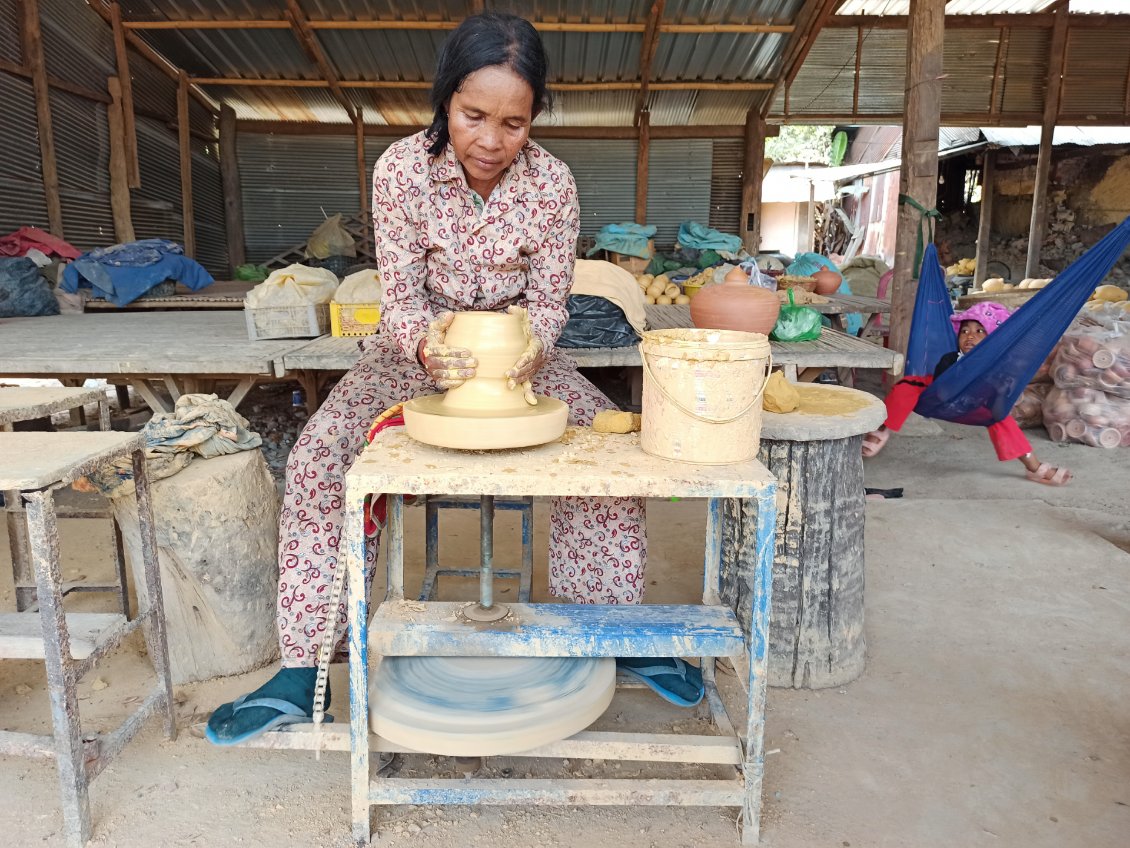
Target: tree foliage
798,143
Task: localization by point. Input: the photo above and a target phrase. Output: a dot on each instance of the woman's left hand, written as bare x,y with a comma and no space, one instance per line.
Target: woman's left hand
530,361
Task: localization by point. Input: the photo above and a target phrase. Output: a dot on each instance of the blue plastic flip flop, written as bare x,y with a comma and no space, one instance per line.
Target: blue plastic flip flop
669,677
288,713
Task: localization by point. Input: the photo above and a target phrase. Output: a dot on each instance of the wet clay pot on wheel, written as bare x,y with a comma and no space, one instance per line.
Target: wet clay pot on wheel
485,413
827,281
735,305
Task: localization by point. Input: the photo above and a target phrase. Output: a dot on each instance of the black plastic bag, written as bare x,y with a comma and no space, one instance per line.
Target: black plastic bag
796,323
596,322
23,292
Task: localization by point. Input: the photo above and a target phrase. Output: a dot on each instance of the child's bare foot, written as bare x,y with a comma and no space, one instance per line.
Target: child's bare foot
875,441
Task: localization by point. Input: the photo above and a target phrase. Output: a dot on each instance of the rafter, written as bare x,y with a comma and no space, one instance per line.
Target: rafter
810,20
542,26
647,54
313,49
424,85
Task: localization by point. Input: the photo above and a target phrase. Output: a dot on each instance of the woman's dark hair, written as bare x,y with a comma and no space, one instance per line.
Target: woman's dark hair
482,41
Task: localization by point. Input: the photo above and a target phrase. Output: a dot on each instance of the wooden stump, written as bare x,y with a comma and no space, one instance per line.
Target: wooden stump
816,637
217,538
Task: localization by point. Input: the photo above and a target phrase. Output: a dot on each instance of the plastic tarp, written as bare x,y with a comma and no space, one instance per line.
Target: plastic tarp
983,386
595,322
628,239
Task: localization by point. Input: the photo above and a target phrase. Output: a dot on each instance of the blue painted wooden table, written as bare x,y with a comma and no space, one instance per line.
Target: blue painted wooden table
582,463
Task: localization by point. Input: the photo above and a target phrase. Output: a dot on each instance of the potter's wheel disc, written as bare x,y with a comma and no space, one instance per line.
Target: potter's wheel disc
487,706
429,421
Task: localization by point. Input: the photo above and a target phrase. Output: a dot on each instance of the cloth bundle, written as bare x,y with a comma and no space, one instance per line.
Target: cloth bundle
199,425
294,285
124,272
628,239
23,291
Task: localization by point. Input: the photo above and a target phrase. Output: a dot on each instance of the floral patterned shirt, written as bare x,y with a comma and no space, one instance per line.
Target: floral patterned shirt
436,251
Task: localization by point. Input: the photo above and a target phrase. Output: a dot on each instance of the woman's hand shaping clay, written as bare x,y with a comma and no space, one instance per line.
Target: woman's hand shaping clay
450,367
530,361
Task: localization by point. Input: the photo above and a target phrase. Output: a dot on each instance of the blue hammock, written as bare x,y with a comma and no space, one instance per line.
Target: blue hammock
982,387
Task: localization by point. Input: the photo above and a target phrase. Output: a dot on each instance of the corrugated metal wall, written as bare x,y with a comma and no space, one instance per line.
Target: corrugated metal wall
291,182
78,48
726,185
22,201
678,185
605,172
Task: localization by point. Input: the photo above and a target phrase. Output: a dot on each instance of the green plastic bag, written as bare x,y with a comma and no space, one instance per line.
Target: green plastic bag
252,273
796,323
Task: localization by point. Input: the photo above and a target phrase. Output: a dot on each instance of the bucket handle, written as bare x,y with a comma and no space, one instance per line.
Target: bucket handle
706,419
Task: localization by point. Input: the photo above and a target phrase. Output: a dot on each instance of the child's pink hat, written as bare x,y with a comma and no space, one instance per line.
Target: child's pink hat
988,314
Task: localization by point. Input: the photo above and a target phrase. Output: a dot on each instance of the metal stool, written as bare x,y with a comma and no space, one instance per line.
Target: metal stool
486,506
27,404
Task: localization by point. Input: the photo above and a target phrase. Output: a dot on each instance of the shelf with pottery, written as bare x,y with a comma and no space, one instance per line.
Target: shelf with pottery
581,463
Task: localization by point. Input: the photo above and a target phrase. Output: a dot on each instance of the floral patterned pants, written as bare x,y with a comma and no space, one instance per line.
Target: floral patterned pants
597,545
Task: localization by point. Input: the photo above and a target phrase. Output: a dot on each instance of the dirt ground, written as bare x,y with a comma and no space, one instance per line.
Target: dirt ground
992,711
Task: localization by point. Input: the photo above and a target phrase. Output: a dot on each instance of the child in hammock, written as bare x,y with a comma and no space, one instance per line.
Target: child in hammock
973,326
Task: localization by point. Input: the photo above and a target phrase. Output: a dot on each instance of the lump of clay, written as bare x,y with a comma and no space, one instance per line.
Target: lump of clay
780,395
614,421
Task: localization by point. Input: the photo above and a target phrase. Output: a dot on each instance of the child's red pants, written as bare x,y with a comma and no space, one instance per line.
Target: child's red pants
1007,437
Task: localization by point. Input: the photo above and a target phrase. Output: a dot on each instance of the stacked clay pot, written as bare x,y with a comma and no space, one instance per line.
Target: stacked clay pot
1094,358
735,305
1087,416
827,281
1028,411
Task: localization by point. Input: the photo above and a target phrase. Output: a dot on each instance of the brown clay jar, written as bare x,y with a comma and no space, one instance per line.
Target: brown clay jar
827,281
735,305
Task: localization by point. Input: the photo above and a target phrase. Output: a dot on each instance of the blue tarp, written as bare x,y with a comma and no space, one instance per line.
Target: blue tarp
629,239
123,273
982,387
694,234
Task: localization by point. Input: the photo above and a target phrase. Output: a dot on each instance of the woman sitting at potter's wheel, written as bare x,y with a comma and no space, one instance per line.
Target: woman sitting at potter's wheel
469,215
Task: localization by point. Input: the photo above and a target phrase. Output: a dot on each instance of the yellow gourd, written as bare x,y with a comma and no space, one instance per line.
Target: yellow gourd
1111,294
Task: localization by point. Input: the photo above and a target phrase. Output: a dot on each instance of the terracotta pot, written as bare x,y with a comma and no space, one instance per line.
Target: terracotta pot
827,281
735,305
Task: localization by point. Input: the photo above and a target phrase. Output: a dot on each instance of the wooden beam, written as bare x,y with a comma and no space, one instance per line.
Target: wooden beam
918,176
185,167
313,50
125,81
858,63
232,187
998,70
403,130
119,165
541,26
648,45
33,58
614,85
753,176
643,154
56,83
156,59
985,221
1057,56
362,179
810,19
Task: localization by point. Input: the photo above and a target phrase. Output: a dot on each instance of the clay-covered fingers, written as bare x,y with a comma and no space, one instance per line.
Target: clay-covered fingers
448,366
875,441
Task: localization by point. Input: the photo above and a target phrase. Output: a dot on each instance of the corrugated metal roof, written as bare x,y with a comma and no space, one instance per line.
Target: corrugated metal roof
1030,136
590,109
978,7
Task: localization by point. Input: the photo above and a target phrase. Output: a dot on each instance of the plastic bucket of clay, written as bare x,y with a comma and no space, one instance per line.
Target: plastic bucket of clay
702,394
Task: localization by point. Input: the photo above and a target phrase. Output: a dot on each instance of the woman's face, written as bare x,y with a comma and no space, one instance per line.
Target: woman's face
970,335
489,120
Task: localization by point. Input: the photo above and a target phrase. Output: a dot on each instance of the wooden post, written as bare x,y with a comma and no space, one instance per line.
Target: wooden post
233,192
985,224
33,58
753,174
918,177
1047,131
121,56
119,165
363,182
185,166
643,153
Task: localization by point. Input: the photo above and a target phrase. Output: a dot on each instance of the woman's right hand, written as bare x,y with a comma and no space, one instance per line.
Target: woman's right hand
450,367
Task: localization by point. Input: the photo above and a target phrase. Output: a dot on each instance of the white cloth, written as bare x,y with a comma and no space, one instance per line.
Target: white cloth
603,279
294,285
